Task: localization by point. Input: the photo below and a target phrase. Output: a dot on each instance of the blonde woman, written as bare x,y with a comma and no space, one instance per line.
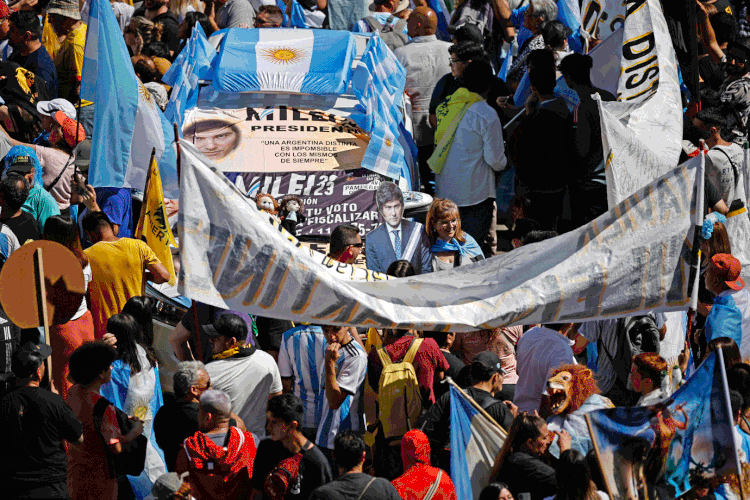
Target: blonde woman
140,32
181,7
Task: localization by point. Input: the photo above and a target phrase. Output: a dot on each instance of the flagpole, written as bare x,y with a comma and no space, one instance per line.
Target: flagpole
142,215
598,456
194,305
694,277
725,387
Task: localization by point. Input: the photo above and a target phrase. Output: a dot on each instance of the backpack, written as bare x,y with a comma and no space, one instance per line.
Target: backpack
284,478
399,399
637,334
132,459
393,35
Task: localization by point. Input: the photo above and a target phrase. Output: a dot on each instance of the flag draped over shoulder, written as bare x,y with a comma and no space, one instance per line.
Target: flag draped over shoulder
476,442
153,223
642,131
669,445
192,65
378,82
127,121
633,258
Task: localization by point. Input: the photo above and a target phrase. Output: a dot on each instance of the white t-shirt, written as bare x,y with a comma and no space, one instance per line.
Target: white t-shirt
539,351
84,306
248,381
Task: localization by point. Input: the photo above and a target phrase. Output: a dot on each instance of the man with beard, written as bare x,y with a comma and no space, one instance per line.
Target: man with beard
158,12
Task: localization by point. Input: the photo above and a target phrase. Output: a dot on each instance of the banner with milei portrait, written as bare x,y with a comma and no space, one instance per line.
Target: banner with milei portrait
288,151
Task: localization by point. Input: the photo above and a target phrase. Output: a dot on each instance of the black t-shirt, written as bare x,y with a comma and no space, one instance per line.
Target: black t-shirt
24,226
456,365
711,72
350,486
35,422
437,423
314,468
172,425
525,473
270,332
10,337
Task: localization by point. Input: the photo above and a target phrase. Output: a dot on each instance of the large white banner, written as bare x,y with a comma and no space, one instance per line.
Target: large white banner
633,258
642,131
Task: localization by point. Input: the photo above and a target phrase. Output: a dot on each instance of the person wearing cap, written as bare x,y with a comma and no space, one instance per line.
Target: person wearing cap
65,18
384,13
487,380
250,376
35,422
13,193
28,51
40,203
57,160
734,92
425,60
730,314
119,269
419,477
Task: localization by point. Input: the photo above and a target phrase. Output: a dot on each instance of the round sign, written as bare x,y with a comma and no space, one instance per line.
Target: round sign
64,284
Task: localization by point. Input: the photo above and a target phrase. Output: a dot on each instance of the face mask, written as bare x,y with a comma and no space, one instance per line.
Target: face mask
734,69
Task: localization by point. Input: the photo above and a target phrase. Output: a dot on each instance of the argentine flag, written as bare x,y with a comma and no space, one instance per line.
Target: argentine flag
193,64
476,441
127,121
285,60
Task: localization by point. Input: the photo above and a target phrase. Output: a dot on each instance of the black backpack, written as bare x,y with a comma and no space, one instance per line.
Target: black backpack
636,334
132,459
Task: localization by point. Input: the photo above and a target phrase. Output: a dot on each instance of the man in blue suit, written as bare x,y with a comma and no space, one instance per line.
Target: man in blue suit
396,239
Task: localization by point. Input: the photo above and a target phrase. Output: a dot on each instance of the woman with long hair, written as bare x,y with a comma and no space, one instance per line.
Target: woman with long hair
135,389
574,478
140,32
451,247
181,8
141,308
66,338
525,458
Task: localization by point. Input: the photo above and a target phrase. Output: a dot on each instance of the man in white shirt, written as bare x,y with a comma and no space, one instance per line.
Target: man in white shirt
250,376
426,60
540,350
476,155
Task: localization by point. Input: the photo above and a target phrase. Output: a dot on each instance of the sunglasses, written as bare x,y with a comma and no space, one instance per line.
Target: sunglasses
358,245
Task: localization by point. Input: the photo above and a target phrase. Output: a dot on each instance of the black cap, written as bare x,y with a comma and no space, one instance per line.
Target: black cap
23,164
28,357
741,45
467,31
490,361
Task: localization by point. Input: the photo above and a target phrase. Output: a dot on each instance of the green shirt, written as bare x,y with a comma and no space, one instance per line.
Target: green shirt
41,205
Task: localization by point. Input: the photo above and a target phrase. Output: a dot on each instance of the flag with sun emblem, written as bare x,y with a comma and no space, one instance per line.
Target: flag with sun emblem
127,121
153,223
285,60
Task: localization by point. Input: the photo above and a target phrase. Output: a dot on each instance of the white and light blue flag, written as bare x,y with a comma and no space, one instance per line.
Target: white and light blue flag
127,121
285,60
192,65
476,441
378,82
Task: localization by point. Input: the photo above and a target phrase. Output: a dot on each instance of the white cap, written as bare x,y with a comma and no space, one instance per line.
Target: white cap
48,108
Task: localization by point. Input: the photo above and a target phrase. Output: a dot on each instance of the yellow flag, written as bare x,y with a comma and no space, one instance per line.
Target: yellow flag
153,222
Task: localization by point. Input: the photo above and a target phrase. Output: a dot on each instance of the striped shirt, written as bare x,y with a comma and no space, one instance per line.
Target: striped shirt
301,356
351,368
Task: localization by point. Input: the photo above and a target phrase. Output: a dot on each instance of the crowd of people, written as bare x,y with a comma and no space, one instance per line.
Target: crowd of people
263,408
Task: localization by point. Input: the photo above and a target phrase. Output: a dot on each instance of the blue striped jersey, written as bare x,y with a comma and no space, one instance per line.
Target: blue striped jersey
351,368
301,356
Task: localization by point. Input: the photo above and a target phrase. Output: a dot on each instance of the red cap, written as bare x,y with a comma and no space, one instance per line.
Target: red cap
4,10
69,128
729,269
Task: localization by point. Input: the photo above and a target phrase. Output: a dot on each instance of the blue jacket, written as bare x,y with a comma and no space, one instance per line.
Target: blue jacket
379,251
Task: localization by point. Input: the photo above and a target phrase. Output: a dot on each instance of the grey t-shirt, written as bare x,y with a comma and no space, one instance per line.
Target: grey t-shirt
235,12
349,486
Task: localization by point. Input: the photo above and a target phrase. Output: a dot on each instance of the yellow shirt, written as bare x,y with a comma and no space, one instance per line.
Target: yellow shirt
49,39
117,275
69,62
